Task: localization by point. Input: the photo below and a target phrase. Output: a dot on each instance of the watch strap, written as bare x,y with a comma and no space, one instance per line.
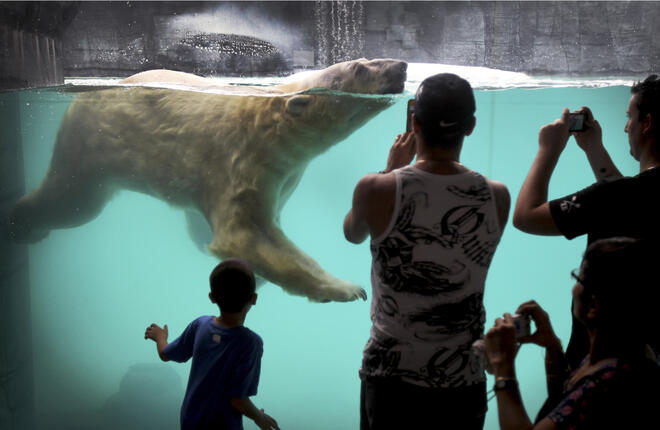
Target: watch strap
502,383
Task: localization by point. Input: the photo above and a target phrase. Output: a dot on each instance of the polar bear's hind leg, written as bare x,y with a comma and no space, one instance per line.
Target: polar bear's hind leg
59,202
275,258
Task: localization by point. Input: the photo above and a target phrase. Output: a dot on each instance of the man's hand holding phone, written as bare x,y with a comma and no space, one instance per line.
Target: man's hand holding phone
409,112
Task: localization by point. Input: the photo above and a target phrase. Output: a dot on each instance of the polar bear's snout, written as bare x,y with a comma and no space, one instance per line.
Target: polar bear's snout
392,74
397,73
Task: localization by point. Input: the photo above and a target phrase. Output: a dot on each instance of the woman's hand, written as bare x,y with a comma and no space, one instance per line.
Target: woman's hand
544,335
501,347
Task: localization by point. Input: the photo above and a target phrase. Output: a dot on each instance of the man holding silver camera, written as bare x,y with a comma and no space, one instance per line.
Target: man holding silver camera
434,227
613,206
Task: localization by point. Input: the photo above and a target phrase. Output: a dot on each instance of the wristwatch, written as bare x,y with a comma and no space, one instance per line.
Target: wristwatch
502,383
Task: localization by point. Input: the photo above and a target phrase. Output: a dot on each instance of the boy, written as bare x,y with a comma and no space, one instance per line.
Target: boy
226,355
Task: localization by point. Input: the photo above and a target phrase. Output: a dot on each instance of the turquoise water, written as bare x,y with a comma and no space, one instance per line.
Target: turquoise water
95,288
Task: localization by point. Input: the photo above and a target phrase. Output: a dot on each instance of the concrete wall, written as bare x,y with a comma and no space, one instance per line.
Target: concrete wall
16,372
31,43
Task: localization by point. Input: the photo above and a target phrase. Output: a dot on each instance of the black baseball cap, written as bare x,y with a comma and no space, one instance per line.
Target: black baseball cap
445,101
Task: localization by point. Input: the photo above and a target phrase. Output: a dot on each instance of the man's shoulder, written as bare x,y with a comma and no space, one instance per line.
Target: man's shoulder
375,185
628,186
498,187
376,180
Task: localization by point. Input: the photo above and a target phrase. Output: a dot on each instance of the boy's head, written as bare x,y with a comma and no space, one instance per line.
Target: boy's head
232,285
444,109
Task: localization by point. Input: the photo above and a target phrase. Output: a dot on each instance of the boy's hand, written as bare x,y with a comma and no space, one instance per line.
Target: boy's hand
156,333
266,422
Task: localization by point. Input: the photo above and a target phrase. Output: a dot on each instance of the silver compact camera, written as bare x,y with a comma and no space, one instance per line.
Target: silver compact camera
523,324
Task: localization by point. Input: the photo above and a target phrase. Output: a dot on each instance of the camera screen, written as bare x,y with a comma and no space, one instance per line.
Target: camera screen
577,122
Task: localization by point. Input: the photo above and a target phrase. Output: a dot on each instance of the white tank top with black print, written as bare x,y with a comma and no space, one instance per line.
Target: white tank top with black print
428,274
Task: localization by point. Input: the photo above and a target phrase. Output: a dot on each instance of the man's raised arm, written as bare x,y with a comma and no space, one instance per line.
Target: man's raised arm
591,142
532,212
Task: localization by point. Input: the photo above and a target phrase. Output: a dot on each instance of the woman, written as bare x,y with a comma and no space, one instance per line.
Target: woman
617,384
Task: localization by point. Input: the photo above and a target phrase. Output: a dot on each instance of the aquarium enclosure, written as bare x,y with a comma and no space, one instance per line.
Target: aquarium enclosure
74,305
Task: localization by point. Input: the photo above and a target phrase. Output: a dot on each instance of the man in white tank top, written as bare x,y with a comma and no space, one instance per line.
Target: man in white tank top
434,227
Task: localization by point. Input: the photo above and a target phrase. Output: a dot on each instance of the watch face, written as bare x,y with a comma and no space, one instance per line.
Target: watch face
503,384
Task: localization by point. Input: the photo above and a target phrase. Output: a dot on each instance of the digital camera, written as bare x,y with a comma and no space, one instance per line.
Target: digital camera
577,121
523,324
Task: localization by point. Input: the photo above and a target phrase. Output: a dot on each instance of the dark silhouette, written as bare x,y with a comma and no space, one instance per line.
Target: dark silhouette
616,384
226,355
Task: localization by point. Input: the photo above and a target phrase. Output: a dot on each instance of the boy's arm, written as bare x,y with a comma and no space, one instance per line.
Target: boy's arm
158,335
245,406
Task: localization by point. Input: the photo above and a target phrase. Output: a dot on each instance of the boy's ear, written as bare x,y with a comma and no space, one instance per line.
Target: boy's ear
211,297
254,299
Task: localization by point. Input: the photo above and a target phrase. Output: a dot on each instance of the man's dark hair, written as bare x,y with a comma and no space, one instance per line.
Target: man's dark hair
621,274
444,108
232,285
649,101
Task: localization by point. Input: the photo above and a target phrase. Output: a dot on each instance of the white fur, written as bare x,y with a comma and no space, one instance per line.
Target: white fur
235,158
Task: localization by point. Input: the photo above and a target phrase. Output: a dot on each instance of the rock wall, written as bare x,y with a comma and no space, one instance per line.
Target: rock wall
219,38
535,37
121,38
31,43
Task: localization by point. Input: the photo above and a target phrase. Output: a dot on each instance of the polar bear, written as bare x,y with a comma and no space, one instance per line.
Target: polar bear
234,157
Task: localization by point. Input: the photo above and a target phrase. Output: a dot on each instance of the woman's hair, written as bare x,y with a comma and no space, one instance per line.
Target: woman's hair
621,274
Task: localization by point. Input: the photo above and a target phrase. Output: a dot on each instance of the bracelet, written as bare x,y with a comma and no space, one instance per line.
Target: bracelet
502,383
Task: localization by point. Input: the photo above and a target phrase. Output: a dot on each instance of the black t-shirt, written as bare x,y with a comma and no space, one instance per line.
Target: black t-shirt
628,206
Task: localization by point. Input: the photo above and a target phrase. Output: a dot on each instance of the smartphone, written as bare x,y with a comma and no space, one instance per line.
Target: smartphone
409,112
577,121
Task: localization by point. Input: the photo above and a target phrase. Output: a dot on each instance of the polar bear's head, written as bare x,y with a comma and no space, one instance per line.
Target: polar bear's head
379,76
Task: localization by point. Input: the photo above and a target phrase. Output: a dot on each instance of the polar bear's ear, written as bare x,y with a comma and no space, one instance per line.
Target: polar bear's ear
296,105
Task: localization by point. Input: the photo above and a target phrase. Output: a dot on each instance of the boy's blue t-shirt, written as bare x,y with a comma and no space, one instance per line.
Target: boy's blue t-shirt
226,363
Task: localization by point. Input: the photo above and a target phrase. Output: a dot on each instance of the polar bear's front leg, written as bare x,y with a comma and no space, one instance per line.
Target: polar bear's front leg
275,258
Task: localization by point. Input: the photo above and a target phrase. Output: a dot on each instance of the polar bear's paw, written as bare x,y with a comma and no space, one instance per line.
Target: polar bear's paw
340,291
